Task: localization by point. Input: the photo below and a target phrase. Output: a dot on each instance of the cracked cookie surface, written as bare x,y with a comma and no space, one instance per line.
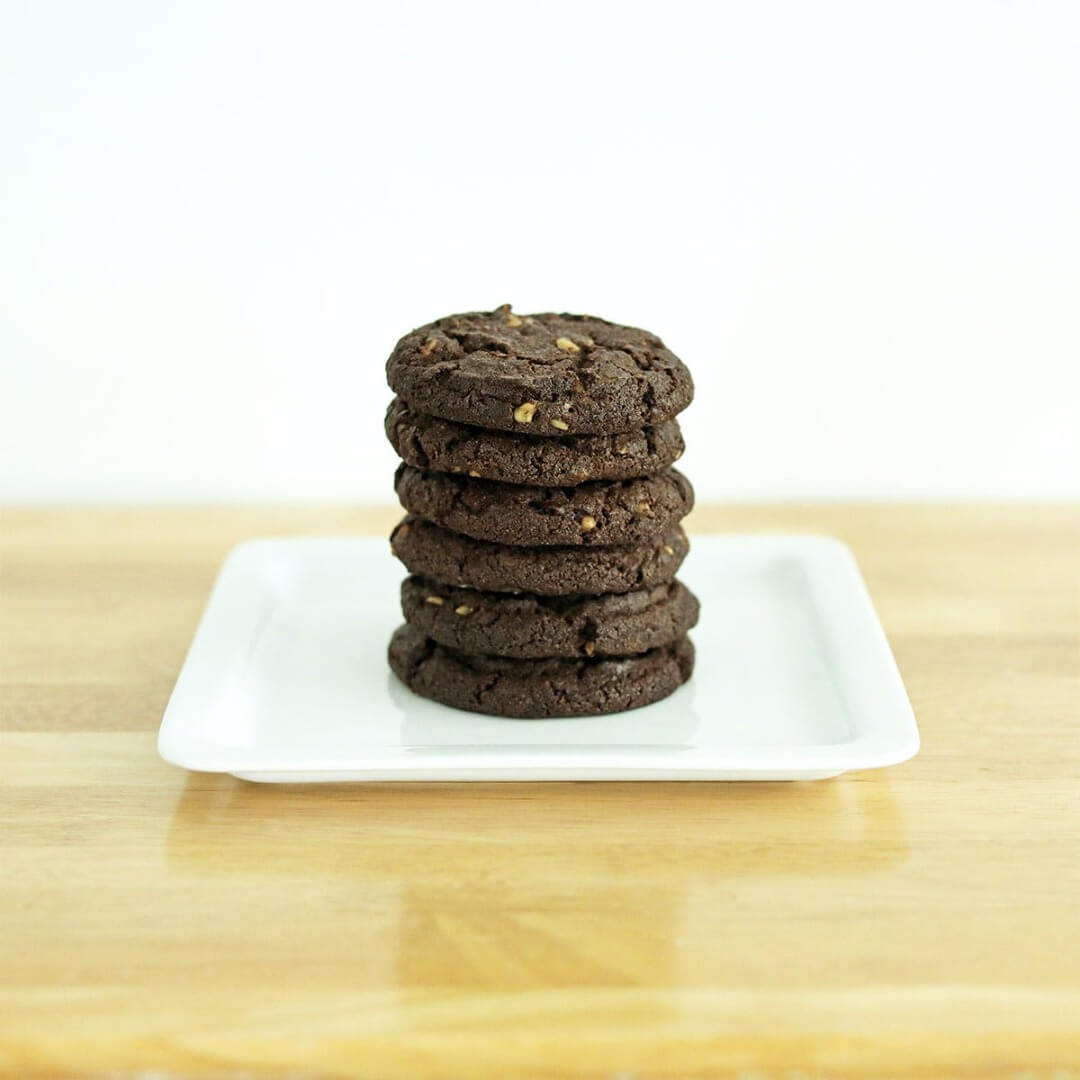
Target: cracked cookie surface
594,514
544,375
429,442
537,689
528,626
449,557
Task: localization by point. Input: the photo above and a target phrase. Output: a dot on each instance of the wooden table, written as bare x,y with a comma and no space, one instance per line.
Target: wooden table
916,921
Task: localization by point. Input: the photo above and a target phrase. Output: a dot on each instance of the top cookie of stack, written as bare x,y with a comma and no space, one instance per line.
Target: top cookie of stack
527,439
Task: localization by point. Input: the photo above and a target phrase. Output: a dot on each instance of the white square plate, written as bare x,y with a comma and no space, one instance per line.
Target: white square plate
287,679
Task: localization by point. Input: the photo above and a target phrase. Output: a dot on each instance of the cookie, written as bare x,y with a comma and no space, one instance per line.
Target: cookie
597,513
544,375
528,626
427,442
537,689
436,553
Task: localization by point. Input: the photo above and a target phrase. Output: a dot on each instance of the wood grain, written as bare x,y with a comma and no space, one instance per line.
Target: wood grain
919,921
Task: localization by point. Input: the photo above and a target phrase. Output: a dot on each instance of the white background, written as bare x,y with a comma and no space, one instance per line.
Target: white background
858,223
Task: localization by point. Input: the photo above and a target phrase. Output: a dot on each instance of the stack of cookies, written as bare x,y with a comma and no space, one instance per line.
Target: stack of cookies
542,533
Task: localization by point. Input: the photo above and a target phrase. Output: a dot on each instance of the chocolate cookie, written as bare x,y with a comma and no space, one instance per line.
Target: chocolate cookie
537,688
528,626
548,571
427,442
598,513
539,374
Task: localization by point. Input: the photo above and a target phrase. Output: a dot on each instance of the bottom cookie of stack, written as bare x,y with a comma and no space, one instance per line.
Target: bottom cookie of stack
537,688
